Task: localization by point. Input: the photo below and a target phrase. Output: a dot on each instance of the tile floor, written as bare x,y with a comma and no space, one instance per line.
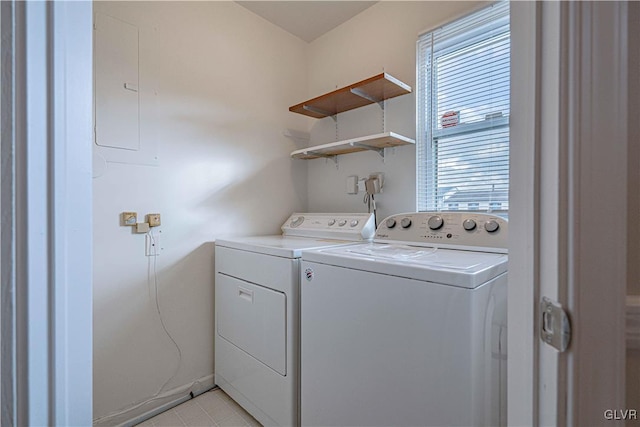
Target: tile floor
213,408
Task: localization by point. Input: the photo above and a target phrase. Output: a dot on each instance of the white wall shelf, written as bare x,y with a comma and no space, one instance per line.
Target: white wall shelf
377,142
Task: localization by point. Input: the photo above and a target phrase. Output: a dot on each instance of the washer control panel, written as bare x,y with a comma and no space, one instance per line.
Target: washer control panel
462,230
344,226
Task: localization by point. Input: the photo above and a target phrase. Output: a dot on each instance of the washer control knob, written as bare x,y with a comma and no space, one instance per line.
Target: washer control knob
469,224
331,222
342,222
353,223
491,226
405,223
435,222
297,222
390,223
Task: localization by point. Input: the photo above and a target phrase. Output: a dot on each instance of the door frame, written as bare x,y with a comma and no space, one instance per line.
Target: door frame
46,206
568,208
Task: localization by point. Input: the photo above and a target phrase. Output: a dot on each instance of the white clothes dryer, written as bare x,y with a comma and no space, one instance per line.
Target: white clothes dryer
409,330
257,310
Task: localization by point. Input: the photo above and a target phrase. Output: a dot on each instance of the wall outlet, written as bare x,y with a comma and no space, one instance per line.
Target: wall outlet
128,219
152,245
153,219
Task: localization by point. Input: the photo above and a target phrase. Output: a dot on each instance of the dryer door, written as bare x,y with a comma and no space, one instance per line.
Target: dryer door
253,318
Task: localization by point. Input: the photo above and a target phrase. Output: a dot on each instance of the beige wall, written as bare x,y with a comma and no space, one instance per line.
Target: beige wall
216,82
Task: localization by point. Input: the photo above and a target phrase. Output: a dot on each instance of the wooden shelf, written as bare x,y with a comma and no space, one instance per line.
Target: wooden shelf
377,142
369,91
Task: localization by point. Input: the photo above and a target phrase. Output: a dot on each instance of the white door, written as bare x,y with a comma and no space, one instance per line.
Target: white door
569,210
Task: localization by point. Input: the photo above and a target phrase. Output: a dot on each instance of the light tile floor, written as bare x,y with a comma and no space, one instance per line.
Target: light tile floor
213,408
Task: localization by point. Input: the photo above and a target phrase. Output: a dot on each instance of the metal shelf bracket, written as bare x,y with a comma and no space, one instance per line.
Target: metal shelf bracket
365,95
333,157
380,151
320,111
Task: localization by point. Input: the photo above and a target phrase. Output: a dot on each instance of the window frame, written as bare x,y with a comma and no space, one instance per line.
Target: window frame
428,132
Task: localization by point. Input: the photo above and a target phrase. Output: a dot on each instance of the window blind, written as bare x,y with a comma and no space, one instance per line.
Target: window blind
463,113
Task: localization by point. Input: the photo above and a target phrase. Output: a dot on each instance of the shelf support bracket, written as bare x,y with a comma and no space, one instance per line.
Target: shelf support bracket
320,111
380,151
333,157
365,95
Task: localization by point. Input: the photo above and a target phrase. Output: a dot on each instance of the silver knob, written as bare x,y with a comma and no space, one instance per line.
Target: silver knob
435,222
297,222
331,222
469,224
491,226
405,223
390,223
342,222
354,223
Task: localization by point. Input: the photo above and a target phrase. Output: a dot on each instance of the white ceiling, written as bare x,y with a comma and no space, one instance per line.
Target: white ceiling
307,19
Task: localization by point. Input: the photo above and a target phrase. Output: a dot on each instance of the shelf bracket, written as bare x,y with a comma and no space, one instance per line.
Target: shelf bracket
320,111
365,95
333,157
380,151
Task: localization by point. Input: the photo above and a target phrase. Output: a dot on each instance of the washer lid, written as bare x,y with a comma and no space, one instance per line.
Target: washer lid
467,269
278,245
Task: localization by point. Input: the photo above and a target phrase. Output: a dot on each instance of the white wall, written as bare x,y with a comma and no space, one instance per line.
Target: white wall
224,80
382,37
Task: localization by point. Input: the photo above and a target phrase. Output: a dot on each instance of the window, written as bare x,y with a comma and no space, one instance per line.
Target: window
463,113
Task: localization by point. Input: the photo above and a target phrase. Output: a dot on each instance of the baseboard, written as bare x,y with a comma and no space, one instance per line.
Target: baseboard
633,322
139,412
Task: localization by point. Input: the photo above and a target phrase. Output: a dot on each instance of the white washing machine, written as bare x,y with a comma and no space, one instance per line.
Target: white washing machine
409,330
257,306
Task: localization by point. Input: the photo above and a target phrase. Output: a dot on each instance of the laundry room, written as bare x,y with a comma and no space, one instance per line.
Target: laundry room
266,176
215,83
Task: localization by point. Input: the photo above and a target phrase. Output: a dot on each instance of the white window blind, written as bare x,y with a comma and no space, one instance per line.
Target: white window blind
463,113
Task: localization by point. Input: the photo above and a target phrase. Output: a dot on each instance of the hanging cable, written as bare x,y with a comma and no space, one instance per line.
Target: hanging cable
375,213
157,395
370,201
157,300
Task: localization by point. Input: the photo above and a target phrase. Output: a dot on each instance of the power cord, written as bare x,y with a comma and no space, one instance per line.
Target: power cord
157,300
370,201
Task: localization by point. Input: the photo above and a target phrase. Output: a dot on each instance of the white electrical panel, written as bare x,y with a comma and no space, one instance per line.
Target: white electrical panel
117,101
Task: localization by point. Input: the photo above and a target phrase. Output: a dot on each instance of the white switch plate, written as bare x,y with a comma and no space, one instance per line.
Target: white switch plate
152,246
352,184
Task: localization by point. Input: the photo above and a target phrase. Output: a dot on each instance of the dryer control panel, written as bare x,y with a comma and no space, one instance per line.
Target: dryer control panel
344,226
459,230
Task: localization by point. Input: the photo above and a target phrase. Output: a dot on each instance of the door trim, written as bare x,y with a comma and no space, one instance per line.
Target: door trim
46,252
595,116
582,217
